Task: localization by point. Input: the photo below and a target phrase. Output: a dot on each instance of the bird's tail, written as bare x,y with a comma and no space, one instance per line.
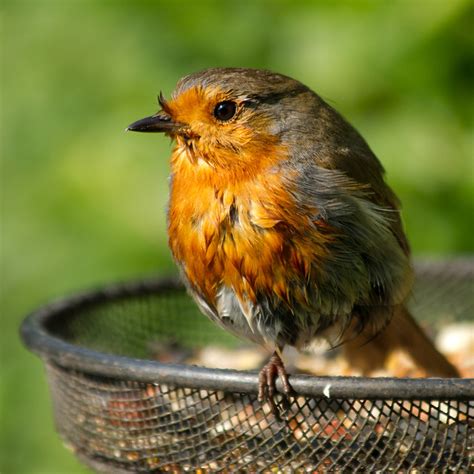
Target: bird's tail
402,333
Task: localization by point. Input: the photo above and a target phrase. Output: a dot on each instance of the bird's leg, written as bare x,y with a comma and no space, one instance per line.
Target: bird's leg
266,381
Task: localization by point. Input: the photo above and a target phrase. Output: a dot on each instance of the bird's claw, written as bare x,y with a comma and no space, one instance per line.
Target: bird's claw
273,369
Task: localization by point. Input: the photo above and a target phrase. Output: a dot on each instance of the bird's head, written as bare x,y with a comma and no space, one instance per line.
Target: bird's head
232,118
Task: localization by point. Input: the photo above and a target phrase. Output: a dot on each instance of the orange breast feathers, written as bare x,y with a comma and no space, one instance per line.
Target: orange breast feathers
241,231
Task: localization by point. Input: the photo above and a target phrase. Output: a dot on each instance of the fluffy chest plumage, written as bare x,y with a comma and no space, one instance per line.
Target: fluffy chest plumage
257,253
238,251
232,236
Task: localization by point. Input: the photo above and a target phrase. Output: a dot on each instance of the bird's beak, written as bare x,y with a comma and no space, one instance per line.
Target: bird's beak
160,122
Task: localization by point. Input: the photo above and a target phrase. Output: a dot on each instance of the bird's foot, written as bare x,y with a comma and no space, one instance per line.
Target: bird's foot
266,383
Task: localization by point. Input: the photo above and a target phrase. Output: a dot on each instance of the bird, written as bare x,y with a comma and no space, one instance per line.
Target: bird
282,224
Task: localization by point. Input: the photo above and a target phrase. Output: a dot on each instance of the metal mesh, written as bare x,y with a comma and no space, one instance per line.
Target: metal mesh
137,426
131,423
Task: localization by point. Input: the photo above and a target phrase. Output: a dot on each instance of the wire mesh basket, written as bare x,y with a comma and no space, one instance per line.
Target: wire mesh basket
121,411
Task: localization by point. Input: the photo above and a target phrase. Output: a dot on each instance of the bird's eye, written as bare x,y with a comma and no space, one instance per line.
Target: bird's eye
225,110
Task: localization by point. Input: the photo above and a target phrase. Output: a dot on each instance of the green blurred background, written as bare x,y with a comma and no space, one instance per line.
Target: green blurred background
83,202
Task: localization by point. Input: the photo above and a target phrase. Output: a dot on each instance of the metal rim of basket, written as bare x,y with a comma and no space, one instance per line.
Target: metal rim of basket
35,335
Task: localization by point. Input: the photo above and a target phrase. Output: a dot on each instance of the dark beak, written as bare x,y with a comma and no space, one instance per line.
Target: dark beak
159,122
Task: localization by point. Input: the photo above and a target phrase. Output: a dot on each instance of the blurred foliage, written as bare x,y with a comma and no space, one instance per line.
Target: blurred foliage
83,202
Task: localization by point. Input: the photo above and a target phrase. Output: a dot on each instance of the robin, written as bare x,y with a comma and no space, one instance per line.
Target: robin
282,224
